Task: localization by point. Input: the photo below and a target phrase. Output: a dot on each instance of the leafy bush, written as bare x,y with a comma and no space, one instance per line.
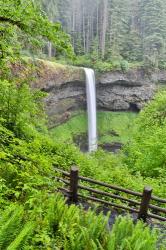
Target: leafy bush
146,152
99,65
21,109
162,65
103,66
83,61
124,66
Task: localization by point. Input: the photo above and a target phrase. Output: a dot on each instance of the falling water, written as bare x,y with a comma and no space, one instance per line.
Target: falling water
91,105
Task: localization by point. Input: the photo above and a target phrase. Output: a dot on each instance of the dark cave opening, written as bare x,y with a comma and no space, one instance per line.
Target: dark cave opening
134,107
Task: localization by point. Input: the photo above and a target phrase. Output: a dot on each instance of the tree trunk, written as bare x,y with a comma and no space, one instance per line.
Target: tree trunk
103,25
49,49
84,33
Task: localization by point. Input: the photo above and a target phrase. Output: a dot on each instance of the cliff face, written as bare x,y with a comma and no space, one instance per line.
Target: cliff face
65,86
126,91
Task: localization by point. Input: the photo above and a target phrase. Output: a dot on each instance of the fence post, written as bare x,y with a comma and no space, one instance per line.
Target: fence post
146,196
74,184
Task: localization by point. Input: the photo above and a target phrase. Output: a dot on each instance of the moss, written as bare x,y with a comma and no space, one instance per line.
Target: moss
41,73
112,126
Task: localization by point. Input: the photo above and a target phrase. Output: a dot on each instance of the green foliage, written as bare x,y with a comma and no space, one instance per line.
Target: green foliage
10,225
110,168
20,242
83,61
126,235
107,123
68,227
154,30
13,232
51,223
162,64
20,17
110,64
124,66
103,66
146,152
28,157
25,166
132,46
21,108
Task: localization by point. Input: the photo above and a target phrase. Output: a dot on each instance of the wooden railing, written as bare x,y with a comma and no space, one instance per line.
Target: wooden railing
142,204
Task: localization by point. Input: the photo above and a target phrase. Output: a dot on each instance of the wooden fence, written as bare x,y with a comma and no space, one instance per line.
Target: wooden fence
142,205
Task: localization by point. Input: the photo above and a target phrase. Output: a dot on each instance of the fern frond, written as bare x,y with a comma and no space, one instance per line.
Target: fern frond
21,240
10,225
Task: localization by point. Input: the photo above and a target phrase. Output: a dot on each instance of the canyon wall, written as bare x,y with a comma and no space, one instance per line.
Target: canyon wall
116,91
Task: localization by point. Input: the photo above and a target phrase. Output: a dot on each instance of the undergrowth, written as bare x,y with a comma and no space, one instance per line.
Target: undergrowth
28,156
111,126
51,224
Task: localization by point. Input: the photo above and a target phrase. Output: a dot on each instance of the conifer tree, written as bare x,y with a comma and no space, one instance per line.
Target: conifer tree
153,30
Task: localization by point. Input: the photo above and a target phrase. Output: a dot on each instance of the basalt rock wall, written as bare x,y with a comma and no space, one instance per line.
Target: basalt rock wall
127,91
115,90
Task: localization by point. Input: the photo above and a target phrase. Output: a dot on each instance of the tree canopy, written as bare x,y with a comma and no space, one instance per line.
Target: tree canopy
132,30
22,22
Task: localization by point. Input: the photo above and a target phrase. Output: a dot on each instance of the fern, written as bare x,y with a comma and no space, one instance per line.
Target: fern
10,224
21,240
126,235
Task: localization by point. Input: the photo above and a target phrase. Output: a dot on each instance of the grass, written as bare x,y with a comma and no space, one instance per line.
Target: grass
108,123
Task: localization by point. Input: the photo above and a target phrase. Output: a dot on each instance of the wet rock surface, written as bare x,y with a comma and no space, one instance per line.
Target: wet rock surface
81,140
113,147
116,91
126,91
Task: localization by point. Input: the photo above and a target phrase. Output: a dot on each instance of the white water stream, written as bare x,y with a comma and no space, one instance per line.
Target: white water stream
91,106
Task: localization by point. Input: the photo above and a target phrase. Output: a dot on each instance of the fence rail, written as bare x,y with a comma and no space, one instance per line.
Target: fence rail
72,179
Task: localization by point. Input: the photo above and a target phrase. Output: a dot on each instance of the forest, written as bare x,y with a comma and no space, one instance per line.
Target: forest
127,31
109,36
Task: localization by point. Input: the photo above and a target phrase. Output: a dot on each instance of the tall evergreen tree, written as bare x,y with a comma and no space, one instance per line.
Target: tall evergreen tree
134,30
153,30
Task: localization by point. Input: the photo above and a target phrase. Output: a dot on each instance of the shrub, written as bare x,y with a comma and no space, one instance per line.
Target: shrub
162,65
20,108
146,152
103,66
83,61
124,65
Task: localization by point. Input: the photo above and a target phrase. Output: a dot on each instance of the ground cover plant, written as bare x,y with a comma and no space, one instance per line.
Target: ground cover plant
51,224
112,126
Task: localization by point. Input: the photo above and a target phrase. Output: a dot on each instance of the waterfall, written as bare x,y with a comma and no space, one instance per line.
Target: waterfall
91,106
